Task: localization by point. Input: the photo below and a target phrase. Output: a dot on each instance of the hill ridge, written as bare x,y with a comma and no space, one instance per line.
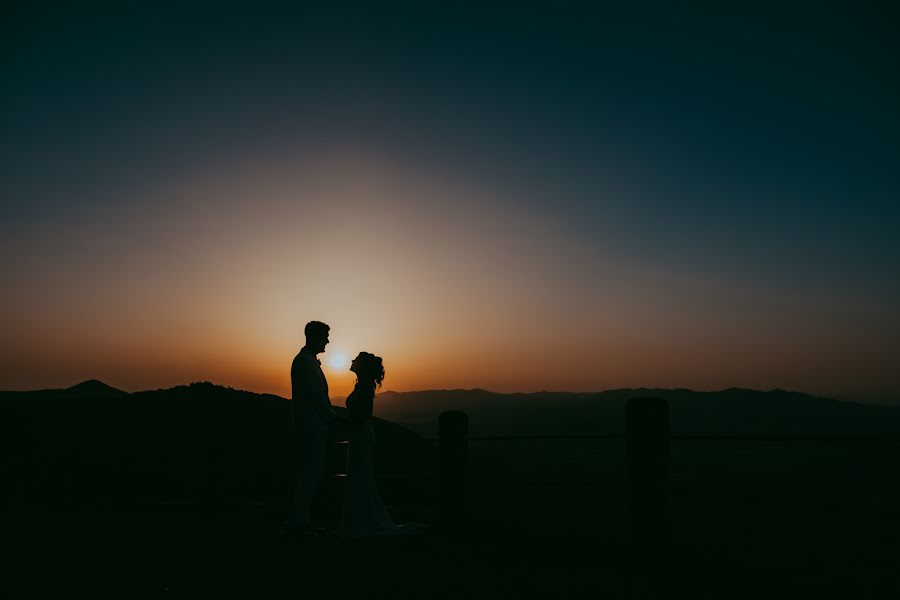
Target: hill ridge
731,411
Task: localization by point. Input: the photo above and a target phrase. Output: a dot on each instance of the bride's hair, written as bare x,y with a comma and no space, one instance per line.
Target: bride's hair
369,368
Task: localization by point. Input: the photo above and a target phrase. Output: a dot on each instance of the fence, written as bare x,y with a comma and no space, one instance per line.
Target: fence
449,477
648,486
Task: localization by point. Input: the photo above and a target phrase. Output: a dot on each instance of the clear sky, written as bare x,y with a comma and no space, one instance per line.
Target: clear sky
520,198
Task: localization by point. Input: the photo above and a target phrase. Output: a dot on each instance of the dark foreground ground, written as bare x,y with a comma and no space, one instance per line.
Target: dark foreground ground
190,502
749,520
178,553
235,553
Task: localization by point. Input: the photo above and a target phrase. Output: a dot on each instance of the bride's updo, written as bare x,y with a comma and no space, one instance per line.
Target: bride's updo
368,368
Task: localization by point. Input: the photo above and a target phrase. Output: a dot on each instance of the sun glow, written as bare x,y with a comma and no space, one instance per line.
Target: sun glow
337,361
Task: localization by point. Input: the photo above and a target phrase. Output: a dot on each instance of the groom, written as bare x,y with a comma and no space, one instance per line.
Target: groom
311,416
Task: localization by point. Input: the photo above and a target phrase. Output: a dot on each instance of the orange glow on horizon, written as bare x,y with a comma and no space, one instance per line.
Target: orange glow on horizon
497,298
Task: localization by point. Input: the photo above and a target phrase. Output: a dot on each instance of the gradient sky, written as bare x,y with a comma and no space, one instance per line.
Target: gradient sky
518,198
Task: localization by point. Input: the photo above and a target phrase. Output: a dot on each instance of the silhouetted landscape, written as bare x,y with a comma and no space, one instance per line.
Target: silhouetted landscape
730,411
93,443
743,504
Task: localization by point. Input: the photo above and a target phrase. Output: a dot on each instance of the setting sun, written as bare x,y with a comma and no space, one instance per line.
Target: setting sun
337,361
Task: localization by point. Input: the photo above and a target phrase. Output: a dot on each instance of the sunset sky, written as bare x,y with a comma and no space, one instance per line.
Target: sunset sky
516,199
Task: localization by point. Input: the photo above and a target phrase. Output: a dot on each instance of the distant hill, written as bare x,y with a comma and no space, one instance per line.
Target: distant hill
93,387
92,443
247,406
729,411
90,388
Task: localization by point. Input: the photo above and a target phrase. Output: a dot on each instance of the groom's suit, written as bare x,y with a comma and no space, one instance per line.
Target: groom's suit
311,413
311,409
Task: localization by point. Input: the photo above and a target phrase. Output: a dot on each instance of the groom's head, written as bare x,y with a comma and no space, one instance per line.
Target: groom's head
316,336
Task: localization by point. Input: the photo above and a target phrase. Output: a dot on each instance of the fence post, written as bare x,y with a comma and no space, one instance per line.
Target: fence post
647,456
453,465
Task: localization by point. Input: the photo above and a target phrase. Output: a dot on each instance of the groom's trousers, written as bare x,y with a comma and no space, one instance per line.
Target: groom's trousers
312,447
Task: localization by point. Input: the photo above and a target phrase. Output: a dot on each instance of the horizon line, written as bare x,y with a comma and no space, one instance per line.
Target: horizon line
475,389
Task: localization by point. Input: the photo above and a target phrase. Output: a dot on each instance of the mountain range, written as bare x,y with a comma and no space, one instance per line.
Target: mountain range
92,441
730,411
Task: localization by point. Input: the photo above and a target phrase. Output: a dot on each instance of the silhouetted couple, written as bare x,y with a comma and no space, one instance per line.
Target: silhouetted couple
363,513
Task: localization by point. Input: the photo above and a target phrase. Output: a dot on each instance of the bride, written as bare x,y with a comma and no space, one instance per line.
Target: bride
364,514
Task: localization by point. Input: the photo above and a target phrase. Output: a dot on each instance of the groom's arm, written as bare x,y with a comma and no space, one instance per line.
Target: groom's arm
313,392
326,409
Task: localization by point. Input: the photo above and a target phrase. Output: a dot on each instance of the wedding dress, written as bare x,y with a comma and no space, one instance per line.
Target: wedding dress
364,514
